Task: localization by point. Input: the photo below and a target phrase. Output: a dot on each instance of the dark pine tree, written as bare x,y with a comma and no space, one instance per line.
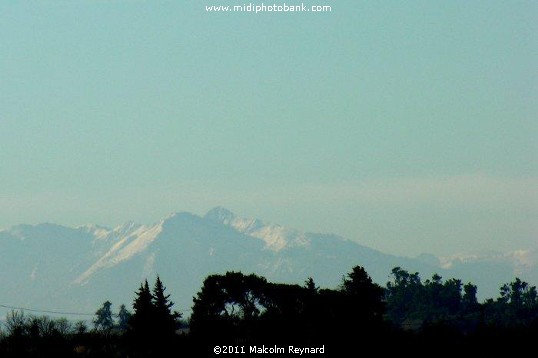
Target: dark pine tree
152,326
166,320
141,323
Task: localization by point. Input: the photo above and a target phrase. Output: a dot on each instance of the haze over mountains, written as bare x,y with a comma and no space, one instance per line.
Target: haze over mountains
49,266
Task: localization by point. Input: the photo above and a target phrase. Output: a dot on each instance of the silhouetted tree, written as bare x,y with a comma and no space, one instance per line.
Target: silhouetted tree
103,321
166,321
367,295
441,301
227,304
35,336
141,322
16,323
81,327
238,308
469,300
310,285
311,309
63,327
517,305
124,317
404,293
411,303
518,294
152,326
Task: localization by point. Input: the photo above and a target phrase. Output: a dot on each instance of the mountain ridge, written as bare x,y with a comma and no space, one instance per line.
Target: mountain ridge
81,267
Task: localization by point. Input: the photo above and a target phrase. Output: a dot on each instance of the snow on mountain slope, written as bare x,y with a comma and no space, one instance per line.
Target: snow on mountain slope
522,261
276,237
128,240
79,268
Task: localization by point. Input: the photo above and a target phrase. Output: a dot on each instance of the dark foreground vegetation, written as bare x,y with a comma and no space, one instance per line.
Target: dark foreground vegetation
428,318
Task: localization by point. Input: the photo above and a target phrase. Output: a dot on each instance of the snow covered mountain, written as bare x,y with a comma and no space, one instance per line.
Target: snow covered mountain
76,269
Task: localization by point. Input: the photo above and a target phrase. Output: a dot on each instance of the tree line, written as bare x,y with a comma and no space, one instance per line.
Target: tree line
236,309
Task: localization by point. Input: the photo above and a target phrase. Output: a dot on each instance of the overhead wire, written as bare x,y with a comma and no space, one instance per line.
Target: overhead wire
67,313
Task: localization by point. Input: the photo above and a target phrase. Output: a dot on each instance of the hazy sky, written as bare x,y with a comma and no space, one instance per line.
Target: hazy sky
409,126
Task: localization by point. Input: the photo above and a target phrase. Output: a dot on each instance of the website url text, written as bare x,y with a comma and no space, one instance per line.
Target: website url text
255,8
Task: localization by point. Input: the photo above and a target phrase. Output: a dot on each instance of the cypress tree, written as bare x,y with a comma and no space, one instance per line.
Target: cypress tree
166,321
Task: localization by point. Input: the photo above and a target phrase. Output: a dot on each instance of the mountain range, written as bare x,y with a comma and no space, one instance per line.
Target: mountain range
53,267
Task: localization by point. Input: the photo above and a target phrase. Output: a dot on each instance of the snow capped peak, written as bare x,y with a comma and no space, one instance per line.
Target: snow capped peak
221,215
276,237
127,228
95,230
521,260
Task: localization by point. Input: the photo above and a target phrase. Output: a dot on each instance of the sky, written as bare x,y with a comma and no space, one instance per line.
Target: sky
409,127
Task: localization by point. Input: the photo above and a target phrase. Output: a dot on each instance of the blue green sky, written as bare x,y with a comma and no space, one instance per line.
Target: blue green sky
409,126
